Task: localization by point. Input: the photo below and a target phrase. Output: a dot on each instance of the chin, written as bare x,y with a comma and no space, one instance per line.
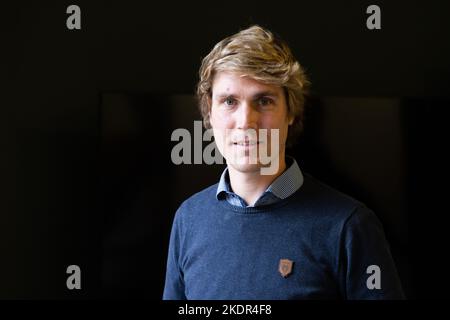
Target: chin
243,164
246,168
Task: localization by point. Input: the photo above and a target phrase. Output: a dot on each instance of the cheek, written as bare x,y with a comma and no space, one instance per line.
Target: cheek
284,130
273,122
279,123
218,137
217,125
213,117
219,120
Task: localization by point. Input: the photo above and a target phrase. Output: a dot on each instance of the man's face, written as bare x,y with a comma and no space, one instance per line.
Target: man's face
242,106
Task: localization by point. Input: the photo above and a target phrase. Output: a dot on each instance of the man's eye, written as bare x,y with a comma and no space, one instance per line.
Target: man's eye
265,101
229,101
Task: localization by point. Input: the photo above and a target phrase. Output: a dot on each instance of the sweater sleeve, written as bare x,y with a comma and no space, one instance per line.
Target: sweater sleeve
367,269
174,284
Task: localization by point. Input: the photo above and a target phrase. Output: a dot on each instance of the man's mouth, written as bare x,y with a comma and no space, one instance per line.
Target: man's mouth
246,143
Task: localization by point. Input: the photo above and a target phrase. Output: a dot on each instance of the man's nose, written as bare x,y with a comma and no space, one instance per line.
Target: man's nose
247,117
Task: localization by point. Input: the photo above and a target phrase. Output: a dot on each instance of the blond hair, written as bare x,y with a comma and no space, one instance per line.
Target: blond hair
257,53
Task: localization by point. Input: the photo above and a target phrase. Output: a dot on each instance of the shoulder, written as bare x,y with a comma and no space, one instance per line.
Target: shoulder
201,198
317,190
329,203
198,202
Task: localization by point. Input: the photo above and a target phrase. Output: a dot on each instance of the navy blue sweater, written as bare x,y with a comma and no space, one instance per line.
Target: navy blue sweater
220,251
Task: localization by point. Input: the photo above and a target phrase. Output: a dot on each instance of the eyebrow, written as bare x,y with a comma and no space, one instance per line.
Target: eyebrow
258,95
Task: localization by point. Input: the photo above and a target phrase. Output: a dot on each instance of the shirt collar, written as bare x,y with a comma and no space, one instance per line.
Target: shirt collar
288,182
224,183
284,185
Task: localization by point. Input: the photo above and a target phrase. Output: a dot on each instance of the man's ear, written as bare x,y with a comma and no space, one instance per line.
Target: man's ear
291,120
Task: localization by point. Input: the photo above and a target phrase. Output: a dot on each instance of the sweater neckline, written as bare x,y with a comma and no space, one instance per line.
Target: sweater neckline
260,209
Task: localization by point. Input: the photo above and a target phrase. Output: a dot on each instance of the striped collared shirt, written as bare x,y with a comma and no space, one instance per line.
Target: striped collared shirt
283,186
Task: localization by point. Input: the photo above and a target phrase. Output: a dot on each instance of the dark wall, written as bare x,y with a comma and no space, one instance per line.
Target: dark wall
51,215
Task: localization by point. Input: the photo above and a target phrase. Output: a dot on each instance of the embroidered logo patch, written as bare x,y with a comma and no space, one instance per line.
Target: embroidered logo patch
285,267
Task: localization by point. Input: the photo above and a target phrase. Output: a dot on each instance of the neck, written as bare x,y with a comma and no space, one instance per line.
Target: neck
251,185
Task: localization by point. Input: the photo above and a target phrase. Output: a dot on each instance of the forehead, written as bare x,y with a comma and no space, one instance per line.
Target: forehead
230,83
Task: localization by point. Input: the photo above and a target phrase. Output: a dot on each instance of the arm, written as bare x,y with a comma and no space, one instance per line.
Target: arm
174,284
366,267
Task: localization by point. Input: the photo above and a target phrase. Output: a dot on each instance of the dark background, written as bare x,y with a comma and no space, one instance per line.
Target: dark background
83,111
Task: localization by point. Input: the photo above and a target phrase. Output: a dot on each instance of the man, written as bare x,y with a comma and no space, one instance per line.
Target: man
266,230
